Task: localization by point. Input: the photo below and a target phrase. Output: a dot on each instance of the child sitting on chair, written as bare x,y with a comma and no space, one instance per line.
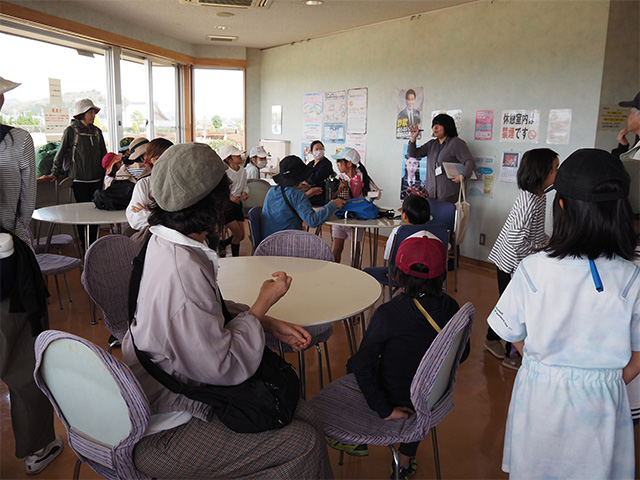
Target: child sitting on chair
415,211
399,335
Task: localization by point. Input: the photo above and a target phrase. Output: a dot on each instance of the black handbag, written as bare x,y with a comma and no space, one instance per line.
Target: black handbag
265,401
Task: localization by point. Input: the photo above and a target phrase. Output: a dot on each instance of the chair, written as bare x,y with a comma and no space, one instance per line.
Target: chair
107,268
384,275
347,418
98,400
445,212
298,243
258,189
255,226
53,264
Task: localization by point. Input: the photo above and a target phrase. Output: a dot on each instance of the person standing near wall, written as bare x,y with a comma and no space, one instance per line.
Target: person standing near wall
446,147
82,147
630,156
23,304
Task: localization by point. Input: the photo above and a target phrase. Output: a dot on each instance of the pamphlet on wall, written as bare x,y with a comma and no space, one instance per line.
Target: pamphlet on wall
452,169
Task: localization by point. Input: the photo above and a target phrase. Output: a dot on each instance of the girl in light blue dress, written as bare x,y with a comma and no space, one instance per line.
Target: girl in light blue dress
573,310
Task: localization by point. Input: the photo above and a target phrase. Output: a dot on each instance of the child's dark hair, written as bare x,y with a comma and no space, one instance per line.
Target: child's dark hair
446,122
417,209
535,167
157,147
414,287
593,229
314,143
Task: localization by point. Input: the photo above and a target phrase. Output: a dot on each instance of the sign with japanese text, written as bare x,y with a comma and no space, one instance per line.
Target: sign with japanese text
520,126
56,119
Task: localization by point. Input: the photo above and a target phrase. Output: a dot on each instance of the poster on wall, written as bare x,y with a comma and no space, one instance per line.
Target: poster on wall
333,132
55,91
509,167
334,106
312,116
409,103
305,150
612,117
276,119
520,126
359,143
56,119
483,186
484,125
559,130
414,172
455,114
357,111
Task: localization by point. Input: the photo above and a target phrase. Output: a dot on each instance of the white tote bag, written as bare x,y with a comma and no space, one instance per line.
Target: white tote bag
462,215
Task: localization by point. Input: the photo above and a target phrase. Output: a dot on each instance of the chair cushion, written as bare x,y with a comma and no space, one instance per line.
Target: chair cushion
52,264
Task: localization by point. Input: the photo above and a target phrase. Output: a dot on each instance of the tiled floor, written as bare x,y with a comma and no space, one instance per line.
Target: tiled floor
470,438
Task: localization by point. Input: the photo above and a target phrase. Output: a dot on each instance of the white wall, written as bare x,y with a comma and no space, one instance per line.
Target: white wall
488,55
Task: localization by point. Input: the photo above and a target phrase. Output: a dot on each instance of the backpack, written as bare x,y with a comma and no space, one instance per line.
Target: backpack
358,208
44,158
265,401
116,197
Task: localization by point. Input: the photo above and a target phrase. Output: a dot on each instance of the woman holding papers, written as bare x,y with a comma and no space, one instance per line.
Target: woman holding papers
445,147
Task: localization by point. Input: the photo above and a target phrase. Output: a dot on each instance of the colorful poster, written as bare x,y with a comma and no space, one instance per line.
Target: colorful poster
409,103
56,119
520,126
306,152
333,132
483,186
312,116
509,167
414,172
612,117
559,130
357,111
359,142
334,106
484,125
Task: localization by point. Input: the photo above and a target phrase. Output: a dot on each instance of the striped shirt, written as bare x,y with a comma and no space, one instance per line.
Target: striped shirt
522,233
17,181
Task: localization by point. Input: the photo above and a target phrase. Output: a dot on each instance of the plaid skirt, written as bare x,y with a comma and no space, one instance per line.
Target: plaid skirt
200,449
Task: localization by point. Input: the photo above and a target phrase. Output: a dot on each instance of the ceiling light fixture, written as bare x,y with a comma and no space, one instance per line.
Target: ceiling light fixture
221,27
225,14
313,3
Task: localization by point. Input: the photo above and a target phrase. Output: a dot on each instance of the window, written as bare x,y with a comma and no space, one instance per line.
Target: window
219,107
165,101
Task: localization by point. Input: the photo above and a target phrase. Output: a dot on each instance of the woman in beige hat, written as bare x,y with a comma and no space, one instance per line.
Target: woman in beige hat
80,156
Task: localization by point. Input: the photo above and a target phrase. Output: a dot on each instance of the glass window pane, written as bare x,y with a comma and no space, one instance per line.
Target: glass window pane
82,74
219,106
164,101
135,98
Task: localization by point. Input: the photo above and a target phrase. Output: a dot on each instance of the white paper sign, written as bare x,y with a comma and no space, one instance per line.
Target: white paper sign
520,126
56,119
559,131
55,91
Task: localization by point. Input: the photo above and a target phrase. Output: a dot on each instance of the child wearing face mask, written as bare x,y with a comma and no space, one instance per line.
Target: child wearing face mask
257,160
322,169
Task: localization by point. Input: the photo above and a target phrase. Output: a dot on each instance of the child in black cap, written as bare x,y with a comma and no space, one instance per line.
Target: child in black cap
573,311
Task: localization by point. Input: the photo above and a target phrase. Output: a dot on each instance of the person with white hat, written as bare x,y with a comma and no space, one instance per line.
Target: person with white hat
134,167
23,300
80,156
257,160
239,192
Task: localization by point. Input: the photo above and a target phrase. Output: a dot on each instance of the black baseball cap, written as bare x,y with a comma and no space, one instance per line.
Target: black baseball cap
635,103
586,169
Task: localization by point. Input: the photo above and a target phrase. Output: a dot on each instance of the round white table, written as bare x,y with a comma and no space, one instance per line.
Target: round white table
375,224
84,213
321,292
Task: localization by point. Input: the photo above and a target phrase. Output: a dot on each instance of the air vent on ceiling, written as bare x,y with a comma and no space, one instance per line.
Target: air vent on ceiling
221,38
230,3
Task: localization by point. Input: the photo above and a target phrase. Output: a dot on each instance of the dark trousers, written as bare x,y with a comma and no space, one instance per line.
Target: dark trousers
503,280
83,192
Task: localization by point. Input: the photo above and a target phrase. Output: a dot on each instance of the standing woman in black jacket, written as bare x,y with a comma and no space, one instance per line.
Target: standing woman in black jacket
81,151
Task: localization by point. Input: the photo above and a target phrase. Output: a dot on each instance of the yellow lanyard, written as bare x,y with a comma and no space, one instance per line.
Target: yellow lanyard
427,316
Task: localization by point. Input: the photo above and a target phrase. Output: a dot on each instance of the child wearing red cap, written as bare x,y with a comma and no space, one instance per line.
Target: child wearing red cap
399,335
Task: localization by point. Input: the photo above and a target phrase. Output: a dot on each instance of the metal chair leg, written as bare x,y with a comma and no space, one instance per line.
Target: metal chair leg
55,277
68,289
319,349
76,470
345,322
303,376
341,460
436,456
326,357
396,461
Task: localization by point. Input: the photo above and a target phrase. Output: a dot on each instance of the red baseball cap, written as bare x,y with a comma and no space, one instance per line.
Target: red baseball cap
422,247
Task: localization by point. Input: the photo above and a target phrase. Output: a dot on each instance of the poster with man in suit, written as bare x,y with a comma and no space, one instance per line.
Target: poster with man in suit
410,102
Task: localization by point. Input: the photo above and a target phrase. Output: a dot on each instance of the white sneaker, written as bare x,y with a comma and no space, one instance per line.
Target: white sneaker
37,462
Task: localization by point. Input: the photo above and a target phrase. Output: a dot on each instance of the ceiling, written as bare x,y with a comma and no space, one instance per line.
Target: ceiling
282,22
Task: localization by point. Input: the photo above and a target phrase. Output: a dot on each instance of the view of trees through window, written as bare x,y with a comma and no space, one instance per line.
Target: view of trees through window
219,106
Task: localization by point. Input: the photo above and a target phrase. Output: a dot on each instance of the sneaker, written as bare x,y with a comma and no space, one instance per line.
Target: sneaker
37,462
405,472
495,348
353,450
512,363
